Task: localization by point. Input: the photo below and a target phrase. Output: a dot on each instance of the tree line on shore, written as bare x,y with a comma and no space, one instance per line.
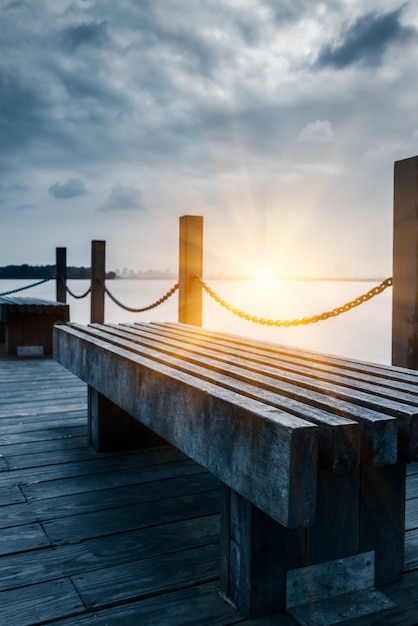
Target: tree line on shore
46,271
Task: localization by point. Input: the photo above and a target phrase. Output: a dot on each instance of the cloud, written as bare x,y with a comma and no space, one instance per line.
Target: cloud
25,207
123,198
207,104
316,132
22,108
366,40
86,34
72,188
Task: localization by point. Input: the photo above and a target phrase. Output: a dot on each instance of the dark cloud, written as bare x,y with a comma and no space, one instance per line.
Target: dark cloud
92,35
22,108
366,40
81,84
123,198
72,188
287,10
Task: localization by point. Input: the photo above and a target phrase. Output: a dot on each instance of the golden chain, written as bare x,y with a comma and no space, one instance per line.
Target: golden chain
298,322
145,308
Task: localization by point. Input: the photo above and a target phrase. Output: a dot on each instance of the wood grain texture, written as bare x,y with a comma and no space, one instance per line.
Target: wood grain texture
40,603
28,584
166,573
275,452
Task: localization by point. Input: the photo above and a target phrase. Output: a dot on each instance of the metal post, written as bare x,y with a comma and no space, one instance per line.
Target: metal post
61,274
98,254
405,265
190,264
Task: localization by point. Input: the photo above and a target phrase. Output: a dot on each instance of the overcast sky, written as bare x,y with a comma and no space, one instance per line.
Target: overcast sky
277,120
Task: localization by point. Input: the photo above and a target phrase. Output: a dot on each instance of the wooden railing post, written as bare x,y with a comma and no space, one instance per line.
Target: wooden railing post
61,274
190,264
405,264
98,255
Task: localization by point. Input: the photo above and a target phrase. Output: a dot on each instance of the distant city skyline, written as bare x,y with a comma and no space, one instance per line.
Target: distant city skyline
27,271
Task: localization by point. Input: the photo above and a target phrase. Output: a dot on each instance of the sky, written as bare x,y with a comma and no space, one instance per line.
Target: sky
278,121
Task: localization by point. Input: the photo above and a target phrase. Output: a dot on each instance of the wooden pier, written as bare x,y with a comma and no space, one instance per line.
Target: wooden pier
119,538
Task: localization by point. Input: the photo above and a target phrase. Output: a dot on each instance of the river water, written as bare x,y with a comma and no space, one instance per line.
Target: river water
362,333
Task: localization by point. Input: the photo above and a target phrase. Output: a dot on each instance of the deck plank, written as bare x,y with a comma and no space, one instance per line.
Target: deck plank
97,524
80,558
59,598
101,500
33,478
21,538
166,573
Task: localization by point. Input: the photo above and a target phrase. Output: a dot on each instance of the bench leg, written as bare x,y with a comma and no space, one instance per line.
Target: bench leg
382,518
358,512
110,428
335,531
13,334
256,553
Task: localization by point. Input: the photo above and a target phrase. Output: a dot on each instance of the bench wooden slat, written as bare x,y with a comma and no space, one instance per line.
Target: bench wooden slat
10,304
384,398
379,380
380,371
276,452
379,432
338,437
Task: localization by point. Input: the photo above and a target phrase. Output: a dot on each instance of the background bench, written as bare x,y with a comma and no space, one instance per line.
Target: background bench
26,324
311,449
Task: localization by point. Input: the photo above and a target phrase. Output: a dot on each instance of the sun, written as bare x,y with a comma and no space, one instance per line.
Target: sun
266,276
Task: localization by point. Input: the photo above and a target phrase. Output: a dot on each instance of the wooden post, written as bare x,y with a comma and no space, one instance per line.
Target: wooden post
61,274
98,252
190,264
405,265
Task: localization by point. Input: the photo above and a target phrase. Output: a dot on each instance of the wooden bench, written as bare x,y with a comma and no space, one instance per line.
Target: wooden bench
311,449
26,324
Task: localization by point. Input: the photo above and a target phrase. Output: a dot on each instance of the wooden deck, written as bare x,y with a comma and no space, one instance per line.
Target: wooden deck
122,539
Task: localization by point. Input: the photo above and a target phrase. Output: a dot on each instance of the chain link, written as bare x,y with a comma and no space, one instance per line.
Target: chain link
40,282
146,308
73,295
298,322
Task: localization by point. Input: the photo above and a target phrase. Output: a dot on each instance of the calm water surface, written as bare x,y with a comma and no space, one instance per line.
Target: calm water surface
363,333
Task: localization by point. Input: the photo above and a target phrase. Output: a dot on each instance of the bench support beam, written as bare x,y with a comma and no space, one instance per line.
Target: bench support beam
110,428
256,552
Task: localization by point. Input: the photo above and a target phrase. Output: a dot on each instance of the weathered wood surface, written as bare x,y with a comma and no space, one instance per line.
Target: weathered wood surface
266,454
98,275
190,265
111,538
61,274
338,437
55,583
231,405
18,304
29,322
405,259
388,390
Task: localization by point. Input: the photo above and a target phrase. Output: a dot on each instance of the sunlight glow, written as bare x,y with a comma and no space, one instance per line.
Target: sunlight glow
266,276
